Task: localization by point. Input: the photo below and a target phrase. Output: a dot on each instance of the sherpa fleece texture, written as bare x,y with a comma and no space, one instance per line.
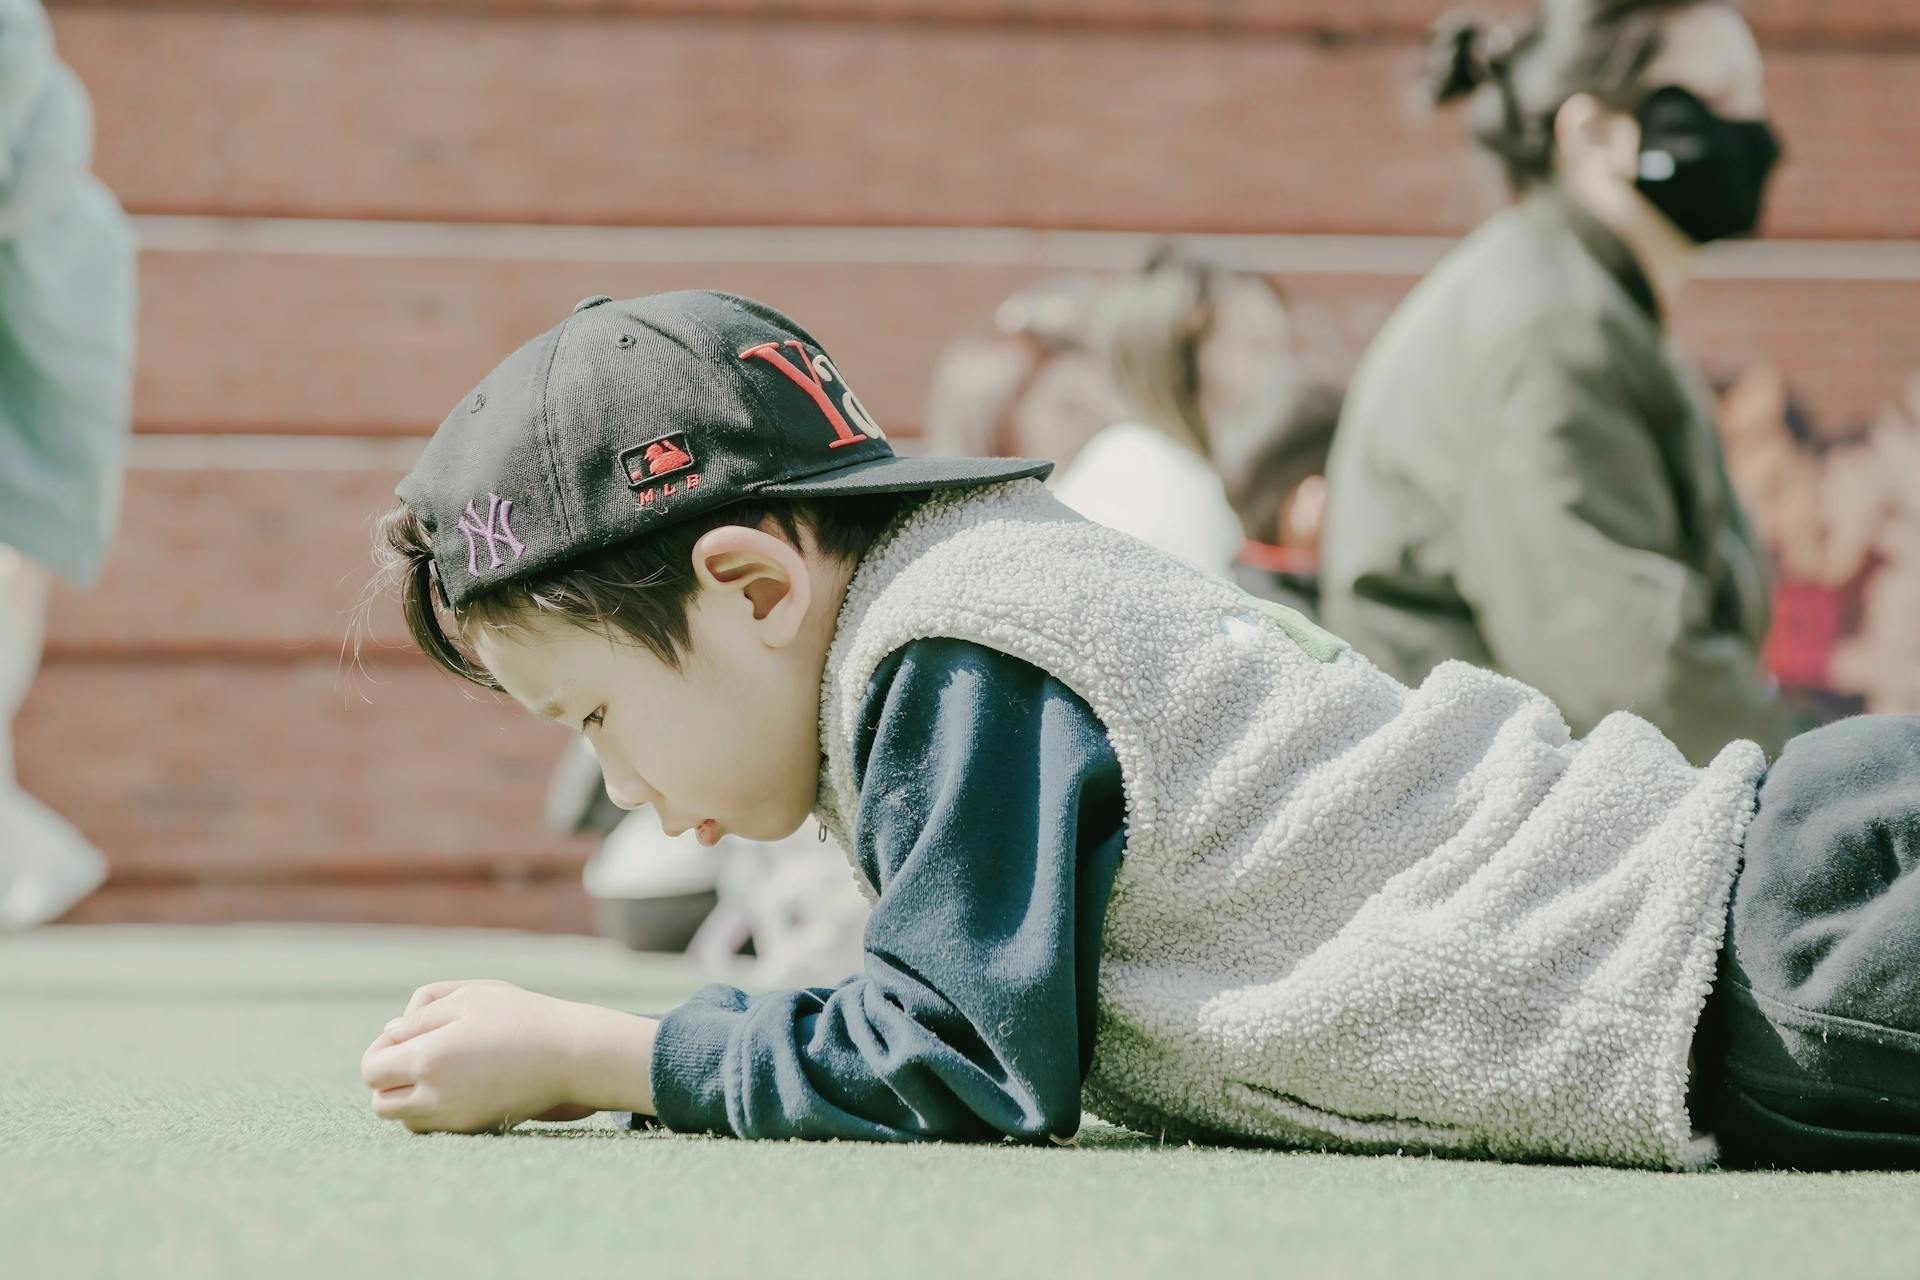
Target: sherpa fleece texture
1350,915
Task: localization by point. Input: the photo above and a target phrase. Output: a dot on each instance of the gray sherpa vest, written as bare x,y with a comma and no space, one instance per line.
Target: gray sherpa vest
1350,914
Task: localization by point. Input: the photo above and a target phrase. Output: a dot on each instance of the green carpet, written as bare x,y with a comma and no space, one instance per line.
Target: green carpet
181,1103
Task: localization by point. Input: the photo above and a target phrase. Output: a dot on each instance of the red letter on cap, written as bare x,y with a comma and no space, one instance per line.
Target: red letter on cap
809,382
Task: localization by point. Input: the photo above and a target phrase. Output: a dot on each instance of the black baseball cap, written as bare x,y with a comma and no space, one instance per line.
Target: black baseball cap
629,416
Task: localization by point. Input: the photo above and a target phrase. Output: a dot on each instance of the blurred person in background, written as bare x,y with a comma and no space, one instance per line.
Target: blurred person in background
66,367
1527,475
1027,386
1191,347
1274,471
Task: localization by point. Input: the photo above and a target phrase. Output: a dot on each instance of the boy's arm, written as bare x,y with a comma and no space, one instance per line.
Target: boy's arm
614,1071
990,818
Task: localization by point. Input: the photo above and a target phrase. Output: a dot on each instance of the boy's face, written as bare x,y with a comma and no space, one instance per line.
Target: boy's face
729,744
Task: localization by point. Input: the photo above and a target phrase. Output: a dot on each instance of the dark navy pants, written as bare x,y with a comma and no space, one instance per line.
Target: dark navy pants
1808,1055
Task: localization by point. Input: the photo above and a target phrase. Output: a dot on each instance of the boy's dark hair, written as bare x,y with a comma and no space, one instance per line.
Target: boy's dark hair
641,587
1520,75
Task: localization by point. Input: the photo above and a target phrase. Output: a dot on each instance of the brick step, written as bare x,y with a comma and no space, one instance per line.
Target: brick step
260,567
383,346
269,772
1849,348
551,906
390,345
1773,19
356,114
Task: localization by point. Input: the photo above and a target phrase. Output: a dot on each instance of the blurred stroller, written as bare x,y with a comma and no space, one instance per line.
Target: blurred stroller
789,911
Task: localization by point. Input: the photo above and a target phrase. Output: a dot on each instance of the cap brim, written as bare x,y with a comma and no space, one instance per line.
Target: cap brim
909,475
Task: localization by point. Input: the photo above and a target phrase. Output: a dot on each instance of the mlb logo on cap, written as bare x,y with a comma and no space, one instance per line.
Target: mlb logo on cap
645,463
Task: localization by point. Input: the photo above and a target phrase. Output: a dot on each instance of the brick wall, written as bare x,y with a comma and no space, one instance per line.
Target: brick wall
352,209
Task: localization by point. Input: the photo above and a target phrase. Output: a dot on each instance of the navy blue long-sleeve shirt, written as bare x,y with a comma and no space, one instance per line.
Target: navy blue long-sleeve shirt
991,821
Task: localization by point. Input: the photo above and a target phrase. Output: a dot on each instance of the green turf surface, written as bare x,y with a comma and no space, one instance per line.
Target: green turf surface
180,1103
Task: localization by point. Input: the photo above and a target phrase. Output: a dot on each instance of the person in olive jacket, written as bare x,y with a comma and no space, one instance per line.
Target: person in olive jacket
1526,474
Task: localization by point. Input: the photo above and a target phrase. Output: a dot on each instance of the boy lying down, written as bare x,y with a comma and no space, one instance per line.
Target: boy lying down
1135,840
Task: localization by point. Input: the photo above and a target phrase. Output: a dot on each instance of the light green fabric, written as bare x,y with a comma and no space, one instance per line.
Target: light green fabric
26,65
66,313
1527,477
1321,646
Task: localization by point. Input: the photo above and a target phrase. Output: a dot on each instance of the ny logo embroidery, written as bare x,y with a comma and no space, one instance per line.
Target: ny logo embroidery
499,511
812,377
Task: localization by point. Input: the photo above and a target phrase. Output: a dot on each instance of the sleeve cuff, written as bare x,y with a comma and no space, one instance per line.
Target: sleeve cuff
689,1053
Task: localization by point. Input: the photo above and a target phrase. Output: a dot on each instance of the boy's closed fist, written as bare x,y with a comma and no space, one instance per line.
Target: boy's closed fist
475,1056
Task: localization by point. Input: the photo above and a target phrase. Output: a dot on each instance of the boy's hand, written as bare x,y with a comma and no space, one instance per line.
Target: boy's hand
475,1056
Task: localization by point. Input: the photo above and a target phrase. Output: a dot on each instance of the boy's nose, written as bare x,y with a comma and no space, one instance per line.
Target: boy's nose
623,785
628,800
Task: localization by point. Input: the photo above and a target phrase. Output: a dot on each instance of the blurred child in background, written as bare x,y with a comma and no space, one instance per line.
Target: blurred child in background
66,369
1189,346
1274,471
1027,386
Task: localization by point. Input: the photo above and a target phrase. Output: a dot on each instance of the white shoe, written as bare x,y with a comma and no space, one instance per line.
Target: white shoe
797,901
46,865
651,890
638,860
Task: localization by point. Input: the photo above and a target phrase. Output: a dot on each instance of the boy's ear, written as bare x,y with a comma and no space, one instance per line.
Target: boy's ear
764,571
